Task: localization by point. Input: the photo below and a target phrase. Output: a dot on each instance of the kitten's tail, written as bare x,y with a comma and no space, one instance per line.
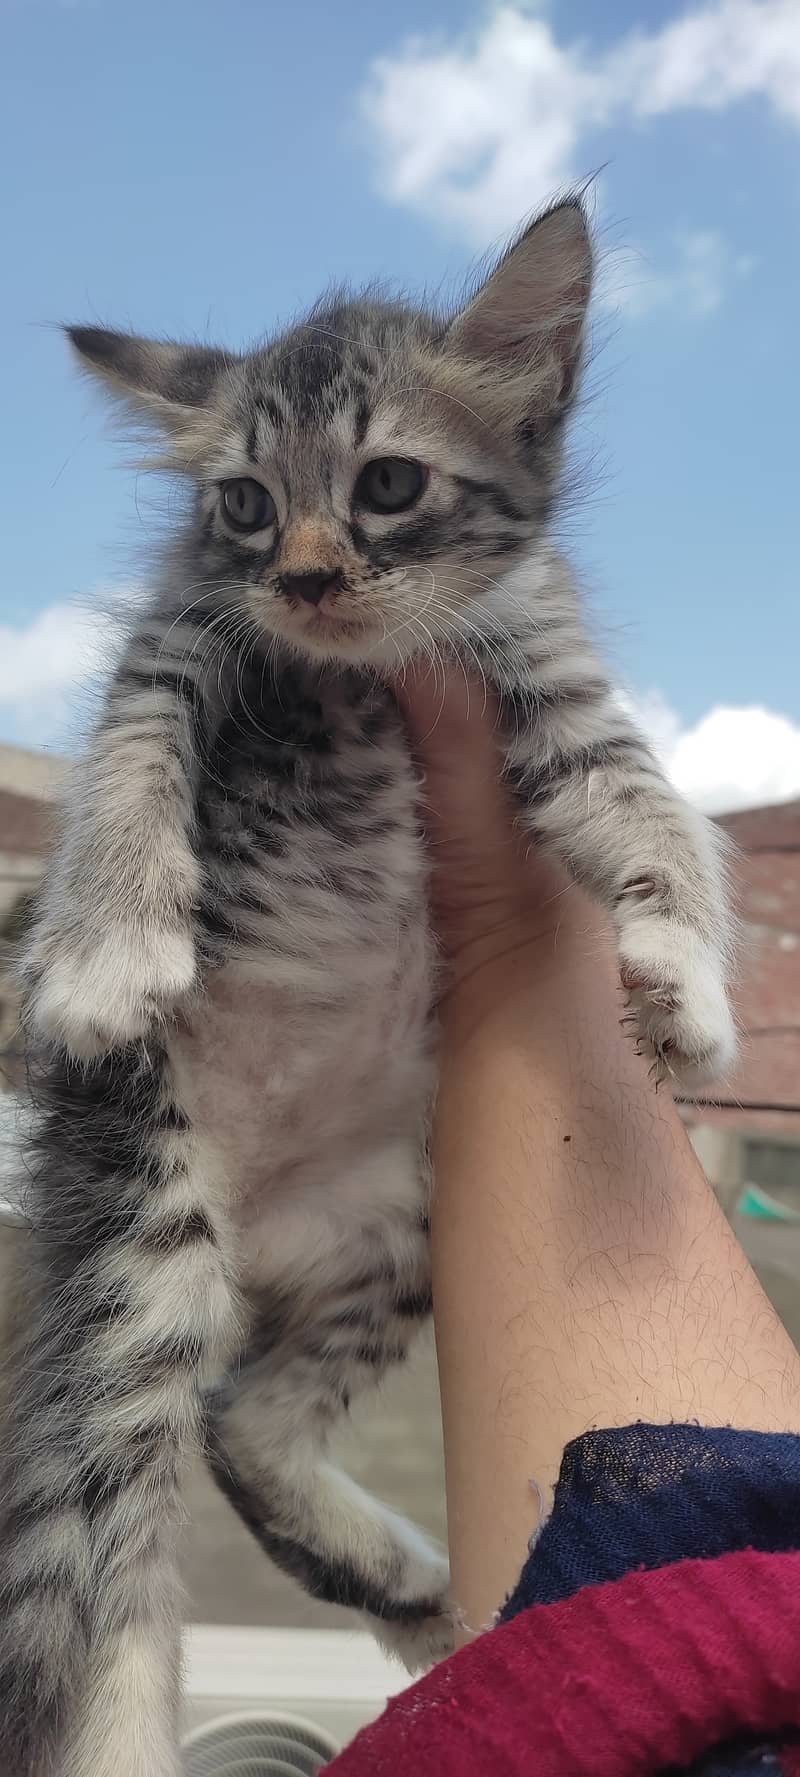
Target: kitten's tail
125,1309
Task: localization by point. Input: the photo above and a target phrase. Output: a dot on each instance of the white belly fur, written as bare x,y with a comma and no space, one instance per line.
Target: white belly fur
311,1108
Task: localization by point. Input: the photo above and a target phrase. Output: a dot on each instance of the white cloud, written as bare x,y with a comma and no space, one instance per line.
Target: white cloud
44,665
477,131
702,268
480,131
713,57
64,644
731,758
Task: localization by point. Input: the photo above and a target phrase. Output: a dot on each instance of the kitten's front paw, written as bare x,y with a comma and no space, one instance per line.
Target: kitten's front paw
95,998
676,984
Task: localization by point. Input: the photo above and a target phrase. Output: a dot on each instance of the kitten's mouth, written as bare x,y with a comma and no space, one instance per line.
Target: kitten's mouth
327,620
326,630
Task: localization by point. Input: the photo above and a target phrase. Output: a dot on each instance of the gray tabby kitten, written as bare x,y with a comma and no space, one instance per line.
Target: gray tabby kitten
231,979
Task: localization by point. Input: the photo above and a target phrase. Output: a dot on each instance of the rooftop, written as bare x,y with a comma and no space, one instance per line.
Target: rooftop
26,824
765,1088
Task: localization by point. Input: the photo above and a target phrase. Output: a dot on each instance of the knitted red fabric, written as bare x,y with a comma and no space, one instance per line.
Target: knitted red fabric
620,1680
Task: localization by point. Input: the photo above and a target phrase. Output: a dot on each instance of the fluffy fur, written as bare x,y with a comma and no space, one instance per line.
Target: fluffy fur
230,983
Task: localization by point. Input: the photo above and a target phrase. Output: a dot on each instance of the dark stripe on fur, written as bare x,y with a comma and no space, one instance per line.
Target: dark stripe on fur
522,706
360,423
103,1484
492,493
171,1117
271,409
417,540
276,1315
537,782
178,1231
180,685
414,1306
97,1169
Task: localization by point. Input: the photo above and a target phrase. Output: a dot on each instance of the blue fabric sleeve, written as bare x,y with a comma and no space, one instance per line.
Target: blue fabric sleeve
649,1495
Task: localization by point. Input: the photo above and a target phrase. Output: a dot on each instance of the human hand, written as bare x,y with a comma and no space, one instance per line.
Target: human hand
493,897
583,1273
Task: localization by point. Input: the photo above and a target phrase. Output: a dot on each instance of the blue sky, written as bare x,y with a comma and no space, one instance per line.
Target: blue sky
187,167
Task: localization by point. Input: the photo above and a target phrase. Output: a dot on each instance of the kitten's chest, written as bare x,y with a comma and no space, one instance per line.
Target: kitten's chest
309,830
310,1039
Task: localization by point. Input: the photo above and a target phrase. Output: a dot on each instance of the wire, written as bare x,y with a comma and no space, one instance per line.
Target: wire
739,1104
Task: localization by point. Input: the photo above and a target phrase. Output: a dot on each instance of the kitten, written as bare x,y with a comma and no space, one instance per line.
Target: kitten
231,978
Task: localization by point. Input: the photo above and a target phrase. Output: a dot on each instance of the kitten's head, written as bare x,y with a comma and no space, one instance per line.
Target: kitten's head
366,480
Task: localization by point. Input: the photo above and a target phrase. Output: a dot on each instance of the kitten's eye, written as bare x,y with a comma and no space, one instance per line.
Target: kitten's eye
390,484
247,505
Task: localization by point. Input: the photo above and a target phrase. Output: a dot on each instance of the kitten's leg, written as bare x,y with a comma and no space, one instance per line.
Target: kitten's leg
267,1440
592,793
126,1312
112,950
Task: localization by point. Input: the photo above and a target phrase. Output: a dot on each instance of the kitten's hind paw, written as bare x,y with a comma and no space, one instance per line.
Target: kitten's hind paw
95,998
676,987
419,1627
418,1642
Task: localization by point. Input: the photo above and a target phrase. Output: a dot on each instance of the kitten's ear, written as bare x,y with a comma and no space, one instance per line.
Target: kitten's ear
164,381
527,322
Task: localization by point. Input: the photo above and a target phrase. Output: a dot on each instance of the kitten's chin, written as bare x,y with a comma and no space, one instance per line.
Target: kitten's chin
380,653
347,644
333,650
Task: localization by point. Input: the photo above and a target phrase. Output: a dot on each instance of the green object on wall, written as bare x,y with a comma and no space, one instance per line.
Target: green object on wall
756,1204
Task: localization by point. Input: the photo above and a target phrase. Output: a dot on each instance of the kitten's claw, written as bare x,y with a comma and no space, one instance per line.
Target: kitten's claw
95,999
677,985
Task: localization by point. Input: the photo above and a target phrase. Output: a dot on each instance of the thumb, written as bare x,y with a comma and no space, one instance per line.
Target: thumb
452,724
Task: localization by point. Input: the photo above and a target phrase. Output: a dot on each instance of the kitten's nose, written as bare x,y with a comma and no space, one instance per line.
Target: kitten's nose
311,588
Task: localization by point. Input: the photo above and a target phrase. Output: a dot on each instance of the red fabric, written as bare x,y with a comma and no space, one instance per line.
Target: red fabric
620,1680
790,1760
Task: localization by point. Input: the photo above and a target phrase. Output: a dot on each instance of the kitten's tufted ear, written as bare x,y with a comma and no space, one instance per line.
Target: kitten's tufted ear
527,322
166,382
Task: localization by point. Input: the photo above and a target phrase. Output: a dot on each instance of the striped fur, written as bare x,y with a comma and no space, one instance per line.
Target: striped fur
129,1303
230,984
